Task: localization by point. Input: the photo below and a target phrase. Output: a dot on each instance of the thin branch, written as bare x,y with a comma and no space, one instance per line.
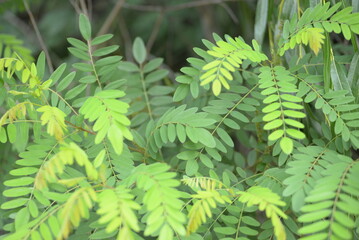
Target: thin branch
39,37
153,8
230,13
83,7
126,38
90,8
76,7
111,17
24,28
79,128
154,33
196,4
144,8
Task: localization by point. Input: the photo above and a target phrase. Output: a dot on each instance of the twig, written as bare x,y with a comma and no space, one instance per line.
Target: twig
80,128
38,35
126,38
153,8
83,7
230,12
196,4
76,7
111,17
25,29
89,7
144,8
154,32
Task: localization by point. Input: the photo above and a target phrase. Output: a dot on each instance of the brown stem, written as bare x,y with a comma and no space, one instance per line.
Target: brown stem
154,32
111,17
38,35
80,128
153,8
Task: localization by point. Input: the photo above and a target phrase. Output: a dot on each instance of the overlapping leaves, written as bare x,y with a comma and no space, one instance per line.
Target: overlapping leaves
330,208
228,55
314,21
282,107
109,116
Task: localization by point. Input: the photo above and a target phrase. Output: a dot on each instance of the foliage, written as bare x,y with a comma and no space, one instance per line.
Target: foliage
252,142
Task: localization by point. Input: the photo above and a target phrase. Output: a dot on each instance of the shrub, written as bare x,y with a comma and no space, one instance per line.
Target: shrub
268,153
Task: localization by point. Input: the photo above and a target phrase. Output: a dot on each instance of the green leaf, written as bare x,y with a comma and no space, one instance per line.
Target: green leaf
79,54
286,144
22,218
11,132
225,230
181,92
276,135
40,65
314,227
206,161
273,124
78,44
295,133
20,181
55,76
17,192
85,27
33,209
139,50
191,167
171,131
15,203
181,133
108,61
64,83
216,87
45,231
99,158
110,94
156,76
23,171
206,138
225,137
294,114
75,91
54,225
152,65
104,51
3,137
187,155
101,39
115,136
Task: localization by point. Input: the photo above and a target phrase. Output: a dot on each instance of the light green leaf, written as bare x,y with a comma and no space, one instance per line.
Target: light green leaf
276,135
286,144
295,133
11,132
139,50
3,137
85,27
22,218
216,87
115,136
101,39
99,158
15,203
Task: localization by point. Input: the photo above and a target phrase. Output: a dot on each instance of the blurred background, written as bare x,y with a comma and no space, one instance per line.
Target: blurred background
170,28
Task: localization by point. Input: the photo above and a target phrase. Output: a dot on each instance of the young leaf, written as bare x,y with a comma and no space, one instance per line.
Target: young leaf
139,50
85,27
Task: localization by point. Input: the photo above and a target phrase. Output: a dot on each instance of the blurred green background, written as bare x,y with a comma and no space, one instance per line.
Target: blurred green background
171,28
